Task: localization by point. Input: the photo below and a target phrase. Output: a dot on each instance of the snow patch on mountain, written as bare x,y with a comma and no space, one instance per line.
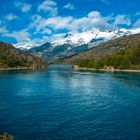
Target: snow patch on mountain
135,31
26,45
77,39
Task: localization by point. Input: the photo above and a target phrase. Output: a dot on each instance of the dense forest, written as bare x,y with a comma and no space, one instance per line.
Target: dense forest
10,57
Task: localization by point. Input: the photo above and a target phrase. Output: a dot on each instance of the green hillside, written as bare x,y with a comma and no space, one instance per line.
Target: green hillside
10,57
122,59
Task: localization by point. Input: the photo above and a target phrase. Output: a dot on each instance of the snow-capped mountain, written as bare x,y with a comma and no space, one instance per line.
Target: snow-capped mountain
73,43
81,38
26,45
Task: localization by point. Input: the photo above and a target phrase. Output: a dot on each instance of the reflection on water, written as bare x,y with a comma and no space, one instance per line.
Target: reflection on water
59,103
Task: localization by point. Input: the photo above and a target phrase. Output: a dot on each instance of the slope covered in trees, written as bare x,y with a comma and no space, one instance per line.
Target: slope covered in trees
122,59
10,57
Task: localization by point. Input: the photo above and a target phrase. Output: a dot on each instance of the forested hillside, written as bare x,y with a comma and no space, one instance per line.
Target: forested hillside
10,57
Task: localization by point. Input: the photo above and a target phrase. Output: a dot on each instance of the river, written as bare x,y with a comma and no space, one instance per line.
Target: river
62,104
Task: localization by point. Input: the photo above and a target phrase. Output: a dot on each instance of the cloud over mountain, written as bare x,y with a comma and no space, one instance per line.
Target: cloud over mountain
50,19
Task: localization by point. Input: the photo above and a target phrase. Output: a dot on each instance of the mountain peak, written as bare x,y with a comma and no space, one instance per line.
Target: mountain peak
73,43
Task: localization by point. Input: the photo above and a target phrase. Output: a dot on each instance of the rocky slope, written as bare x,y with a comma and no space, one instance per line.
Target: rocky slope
10,57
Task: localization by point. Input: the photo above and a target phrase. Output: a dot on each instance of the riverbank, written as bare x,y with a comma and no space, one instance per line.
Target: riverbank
76,67
17,68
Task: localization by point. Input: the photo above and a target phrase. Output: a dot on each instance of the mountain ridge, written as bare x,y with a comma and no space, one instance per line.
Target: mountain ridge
76,38
72,44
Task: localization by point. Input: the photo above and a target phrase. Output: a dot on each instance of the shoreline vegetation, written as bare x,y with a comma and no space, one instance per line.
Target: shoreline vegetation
108,69
124,60
17,68
6,136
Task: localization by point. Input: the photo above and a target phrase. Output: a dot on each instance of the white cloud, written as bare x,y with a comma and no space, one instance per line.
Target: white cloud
94,20
64,22
48,6
25,8
3,30
11,16
46,31
69,6
137,14
122,20
94,14
20,36
137,24
40,23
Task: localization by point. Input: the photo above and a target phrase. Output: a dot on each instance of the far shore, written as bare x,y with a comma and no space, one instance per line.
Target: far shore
17,68
76,67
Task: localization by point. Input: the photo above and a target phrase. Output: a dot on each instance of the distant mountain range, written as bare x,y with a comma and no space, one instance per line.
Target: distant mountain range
13,58
106,45
73,44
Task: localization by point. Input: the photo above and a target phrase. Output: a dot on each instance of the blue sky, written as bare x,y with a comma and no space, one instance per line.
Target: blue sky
45,20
